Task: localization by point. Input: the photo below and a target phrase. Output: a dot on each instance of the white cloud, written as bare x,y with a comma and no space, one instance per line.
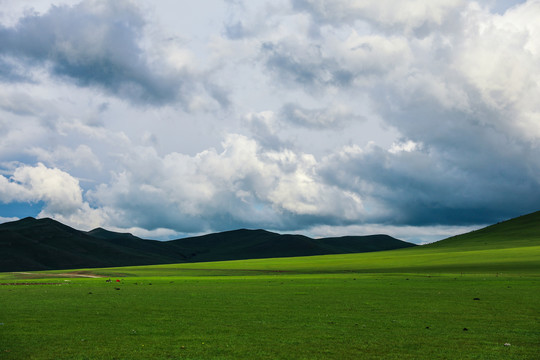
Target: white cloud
499,56
159,233
244,184
7,219
83,217
481,64
58,190
414,234
407,146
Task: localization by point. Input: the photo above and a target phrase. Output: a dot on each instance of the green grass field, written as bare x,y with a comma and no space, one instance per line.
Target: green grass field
457,299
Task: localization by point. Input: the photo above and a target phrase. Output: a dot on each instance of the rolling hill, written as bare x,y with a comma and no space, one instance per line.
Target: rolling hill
45,244
512,246
517,232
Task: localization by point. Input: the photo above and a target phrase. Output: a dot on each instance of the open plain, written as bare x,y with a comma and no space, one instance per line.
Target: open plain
474,296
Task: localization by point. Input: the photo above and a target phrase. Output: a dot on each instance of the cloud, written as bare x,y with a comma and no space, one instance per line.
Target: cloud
414,234
484,67
99,44
308,67
337,114
457,82
499,61
7,219
430,186
265,126
21,104
338,60
410,15
247,185
57,189
11,72
244,185
82,156
235,31
331,117
407,146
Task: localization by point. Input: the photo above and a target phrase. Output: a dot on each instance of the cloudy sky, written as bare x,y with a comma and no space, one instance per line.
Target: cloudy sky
417,118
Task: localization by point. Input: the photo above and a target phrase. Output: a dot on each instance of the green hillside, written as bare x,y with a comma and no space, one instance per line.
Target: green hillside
512,246
518,232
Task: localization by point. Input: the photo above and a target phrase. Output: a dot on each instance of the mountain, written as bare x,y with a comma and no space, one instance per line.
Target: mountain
254,244
45,244
517,232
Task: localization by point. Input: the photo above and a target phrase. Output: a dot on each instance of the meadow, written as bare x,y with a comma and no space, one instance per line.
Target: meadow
443,301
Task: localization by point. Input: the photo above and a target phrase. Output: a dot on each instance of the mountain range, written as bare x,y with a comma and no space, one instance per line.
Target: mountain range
46,244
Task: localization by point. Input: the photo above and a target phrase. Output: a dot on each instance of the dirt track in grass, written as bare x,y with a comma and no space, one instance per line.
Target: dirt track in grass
74,274
30,283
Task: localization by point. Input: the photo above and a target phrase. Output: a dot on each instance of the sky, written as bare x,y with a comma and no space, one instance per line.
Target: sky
419,119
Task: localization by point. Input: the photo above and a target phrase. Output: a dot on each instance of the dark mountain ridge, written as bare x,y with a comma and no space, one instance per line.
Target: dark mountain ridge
46,244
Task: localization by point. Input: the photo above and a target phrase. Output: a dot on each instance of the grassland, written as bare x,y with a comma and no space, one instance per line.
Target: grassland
450,300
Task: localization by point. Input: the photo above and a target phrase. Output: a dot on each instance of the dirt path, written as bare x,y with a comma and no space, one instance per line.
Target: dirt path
69,275
33,283
81,275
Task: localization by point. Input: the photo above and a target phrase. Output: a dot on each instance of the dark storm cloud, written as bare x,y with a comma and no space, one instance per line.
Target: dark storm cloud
482,178
97,44
473,165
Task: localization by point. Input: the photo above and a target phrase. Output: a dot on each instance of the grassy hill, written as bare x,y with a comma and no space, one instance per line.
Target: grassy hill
43,244
511,246
522,231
